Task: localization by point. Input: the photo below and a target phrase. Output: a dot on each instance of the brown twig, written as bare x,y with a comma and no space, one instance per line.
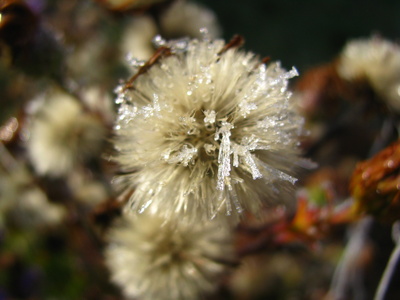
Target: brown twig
161,52
235,42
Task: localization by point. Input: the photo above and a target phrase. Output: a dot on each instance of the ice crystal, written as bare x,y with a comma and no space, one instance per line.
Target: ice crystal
209,117
165,259
216,130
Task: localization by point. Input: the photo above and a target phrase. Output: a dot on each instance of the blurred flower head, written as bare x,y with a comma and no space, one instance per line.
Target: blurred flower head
88,190
168,259
180,19
376,61
61,134
137,38
186,18
23,203
207,129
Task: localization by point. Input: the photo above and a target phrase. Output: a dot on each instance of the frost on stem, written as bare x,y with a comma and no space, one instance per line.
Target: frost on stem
209,124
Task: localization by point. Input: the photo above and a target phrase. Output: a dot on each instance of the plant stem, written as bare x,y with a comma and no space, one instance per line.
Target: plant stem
391,266
347,276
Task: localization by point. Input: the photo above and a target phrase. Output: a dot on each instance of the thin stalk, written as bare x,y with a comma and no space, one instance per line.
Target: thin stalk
387,276
346,275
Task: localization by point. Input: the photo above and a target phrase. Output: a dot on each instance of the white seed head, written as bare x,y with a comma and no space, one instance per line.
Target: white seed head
376,60
137,39
32,209
180,19
87,190
24,203
155,258
84,56
187,18
217,131
62,134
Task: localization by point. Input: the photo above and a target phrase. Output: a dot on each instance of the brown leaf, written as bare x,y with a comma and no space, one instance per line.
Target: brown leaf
375,184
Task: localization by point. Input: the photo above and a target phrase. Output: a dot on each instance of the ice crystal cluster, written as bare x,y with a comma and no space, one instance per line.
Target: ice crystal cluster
207,130
377,61
166,259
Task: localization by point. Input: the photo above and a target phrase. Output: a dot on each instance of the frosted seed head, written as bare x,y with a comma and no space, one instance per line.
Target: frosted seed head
227,122
145,251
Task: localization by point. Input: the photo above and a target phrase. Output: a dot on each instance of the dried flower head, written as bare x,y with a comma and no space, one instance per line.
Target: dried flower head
137,38
180,19
207,129
23,203
186,18
376,61
62,134
32,209
167,259
87,190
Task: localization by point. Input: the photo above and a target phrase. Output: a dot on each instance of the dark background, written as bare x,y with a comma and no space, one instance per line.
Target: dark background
305,33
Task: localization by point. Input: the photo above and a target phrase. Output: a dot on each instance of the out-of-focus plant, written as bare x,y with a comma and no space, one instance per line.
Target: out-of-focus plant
201,129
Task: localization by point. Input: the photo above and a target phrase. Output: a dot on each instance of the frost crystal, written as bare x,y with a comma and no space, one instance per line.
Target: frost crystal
210,117
224,156
205,133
